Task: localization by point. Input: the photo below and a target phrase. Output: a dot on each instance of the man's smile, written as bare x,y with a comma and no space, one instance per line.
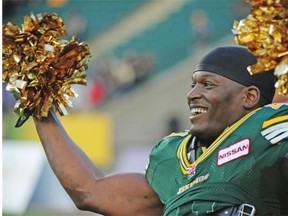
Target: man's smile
198,110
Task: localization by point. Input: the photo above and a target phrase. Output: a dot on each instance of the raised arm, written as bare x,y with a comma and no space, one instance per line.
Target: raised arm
88,187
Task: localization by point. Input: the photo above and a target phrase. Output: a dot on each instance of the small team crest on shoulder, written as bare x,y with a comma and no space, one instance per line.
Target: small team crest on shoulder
192,171
233,152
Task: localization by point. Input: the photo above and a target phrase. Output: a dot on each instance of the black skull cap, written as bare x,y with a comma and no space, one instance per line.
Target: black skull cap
232,62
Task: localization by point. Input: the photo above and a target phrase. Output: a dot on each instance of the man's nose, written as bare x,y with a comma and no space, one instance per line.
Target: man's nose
194,93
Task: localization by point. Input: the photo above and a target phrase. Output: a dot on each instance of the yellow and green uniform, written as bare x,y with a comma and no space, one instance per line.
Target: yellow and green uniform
240,166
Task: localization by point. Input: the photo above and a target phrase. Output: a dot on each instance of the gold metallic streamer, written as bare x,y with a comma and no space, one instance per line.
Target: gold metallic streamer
265,33
39,68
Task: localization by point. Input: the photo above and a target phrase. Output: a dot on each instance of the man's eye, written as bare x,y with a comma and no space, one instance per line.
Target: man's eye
193,85
208,84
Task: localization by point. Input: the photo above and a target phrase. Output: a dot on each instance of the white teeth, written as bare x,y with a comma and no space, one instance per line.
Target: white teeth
196,111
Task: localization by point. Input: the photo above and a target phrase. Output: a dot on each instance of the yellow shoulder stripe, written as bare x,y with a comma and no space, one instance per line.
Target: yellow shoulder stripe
274,120
181,134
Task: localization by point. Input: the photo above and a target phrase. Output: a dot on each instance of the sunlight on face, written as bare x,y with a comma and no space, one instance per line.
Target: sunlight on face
215,103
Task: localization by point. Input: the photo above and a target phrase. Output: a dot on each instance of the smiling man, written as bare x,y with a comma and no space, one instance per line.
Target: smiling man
234,152
234,158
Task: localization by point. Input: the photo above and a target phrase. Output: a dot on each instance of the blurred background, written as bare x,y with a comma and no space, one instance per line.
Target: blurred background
143,53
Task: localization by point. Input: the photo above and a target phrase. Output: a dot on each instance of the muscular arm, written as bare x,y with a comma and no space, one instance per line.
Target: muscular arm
125,194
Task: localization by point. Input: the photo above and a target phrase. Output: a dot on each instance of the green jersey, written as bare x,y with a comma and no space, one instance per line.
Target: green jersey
240,166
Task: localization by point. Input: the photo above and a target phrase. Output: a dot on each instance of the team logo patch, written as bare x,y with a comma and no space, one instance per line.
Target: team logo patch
233,152
192,171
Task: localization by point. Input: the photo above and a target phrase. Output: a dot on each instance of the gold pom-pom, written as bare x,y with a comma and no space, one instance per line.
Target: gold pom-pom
265,33
39,68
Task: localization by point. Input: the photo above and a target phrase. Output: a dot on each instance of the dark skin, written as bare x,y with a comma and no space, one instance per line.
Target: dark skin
130,193
89,188
222,101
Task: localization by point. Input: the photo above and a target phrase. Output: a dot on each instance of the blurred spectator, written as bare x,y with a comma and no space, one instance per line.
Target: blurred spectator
76,23
97,91
111,76
56,3
173,124
125,75
101,70
240,9
9,8
202,27
141,63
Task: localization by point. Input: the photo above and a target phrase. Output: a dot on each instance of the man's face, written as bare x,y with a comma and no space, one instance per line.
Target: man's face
215,103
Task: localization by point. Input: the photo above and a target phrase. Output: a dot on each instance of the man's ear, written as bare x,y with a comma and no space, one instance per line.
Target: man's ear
252,97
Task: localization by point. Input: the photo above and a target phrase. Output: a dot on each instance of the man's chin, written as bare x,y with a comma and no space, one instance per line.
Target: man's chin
195,131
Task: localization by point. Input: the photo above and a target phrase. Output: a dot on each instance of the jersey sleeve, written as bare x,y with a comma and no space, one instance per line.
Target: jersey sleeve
275,129
166,148
163,155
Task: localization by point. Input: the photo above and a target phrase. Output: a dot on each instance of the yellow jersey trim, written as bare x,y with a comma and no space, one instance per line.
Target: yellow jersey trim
274,120
182,149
